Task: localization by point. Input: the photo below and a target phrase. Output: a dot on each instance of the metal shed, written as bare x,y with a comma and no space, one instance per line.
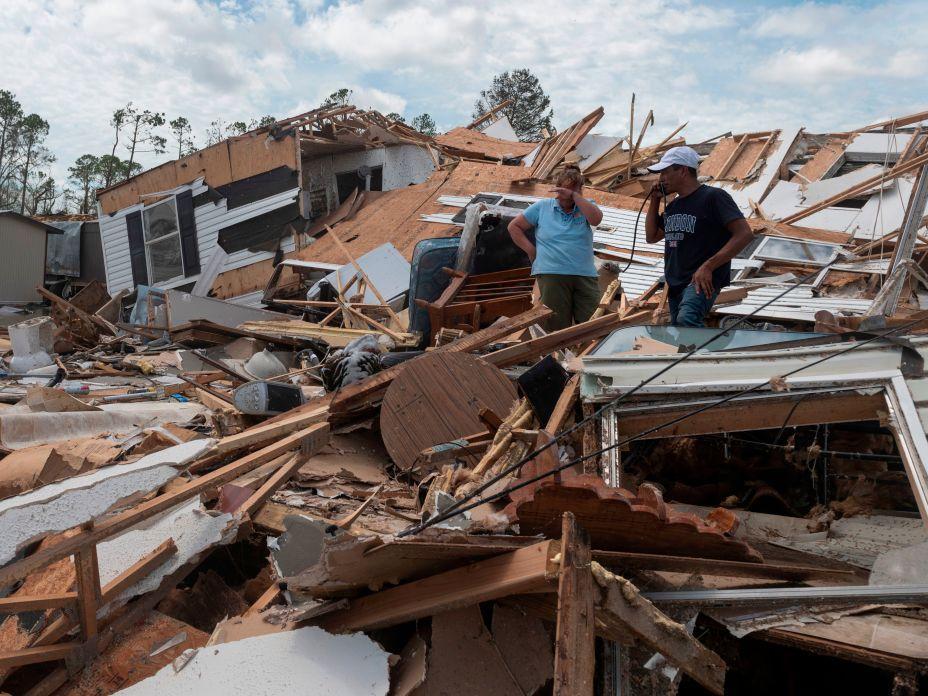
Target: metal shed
22,257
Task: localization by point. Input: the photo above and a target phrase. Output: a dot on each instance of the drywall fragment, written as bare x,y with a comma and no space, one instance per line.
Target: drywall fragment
305,661
65,504
193,529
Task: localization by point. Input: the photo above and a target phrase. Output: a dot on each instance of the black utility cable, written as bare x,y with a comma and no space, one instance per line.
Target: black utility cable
577,460
619,399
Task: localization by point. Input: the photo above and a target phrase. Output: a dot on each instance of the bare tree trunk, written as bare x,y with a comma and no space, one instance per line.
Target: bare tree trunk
135,138
26,165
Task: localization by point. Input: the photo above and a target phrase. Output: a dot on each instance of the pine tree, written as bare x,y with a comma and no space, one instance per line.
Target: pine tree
530,111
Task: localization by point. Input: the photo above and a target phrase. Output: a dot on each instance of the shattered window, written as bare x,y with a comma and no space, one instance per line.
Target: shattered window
796,250
162,242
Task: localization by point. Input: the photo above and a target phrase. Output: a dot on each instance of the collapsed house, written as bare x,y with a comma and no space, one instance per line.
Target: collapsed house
380,471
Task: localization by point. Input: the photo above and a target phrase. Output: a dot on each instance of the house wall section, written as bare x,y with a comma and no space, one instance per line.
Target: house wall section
22,265
210,219
402,165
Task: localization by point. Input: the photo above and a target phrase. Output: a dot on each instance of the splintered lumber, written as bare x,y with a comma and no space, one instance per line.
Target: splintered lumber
275,481
267,432
618,520
311,438
371,389
858,189
575,633
621,603
454,387
564,338
523,571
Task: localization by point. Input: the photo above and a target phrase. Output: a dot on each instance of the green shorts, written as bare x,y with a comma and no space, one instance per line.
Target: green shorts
573,299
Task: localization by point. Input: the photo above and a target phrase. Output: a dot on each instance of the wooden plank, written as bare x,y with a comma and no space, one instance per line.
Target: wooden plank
18,603
574,652
138,570
314,434
31,656
87,571
621,602
756,414
556,340
523,571
627,560
564,406
276,480
267,432
267,598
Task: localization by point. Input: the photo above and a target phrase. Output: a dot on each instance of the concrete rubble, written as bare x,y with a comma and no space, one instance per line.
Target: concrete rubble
342,454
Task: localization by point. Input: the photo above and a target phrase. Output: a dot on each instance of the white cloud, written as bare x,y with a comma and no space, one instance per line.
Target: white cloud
716,67
809,20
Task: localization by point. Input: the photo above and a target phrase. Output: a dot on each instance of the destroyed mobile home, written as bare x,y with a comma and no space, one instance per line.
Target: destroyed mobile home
311,434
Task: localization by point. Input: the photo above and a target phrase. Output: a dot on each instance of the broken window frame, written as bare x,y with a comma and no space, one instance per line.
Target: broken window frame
769,256
149,242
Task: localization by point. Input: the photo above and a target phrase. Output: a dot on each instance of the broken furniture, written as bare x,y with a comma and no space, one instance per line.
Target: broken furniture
471,302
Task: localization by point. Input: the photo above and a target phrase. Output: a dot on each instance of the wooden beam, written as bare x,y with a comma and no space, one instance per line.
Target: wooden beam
45,653
275,481
87,570
627,560
316,435
575,650
556,340
756,414
18,603
523,571
622,605
363,275
138,570
267,598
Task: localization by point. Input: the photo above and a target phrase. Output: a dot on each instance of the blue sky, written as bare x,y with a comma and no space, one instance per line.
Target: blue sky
718,65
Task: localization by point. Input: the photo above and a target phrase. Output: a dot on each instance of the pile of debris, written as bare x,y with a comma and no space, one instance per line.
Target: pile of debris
351,459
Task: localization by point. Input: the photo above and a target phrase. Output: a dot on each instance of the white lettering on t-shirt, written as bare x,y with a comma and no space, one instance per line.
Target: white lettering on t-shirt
680,222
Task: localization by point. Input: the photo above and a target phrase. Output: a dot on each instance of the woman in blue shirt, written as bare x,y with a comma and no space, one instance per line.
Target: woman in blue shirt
562,255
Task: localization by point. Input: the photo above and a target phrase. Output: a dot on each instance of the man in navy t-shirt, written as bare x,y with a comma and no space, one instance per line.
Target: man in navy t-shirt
703,230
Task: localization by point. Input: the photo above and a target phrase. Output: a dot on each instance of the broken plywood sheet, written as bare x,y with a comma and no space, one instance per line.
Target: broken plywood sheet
305,661
526,646
18,430
465,659
65,504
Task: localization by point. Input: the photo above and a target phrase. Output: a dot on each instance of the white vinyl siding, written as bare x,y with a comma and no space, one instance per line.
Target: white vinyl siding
209,217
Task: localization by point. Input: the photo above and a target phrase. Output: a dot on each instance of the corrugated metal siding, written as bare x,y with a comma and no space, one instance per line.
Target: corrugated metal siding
210,218
22,263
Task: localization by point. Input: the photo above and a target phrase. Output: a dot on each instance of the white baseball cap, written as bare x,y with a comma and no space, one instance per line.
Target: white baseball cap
684,155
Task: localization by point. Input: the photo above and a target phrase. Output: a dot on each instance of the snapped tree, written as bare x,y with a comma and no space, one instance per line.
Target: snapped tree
530,111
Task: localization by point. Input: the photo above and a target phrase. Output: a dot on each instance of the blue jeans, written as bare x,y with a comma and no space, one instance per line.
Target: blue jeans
689,307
